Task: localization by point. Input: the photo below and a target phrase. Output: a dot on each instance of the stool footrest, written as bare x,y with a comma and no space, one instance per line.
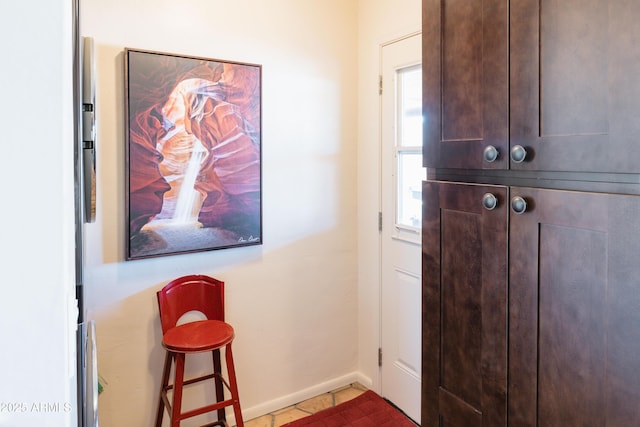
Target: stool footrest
205,409
195,380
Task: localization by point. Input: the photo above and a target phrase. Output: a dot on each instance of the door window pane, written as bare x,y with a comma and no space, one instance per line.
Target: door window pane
409,170
410,107
410,177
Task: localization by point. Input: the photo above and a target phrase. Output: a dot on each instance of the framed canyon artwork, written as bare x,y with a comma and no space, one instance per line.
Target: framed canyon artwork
193,154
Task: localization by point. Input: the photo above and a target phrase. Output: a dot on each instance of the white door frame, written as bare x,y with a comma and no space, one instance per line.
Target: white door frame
378,382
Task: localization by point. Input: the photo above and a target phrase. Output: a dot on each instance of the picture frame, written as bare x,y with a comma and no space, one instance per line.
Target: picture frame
193,154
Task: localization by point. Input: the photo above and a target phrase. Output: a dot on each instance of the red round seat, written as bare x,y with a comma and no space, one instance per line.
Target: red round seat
195,337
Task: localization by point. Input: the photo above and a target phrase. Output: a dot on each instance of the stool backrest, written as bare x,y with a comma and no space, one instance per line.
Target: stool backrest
190,293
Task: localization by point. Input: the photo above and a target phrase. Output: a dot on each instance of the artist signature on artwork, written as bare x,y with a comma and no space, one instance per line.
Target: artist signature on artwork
249,239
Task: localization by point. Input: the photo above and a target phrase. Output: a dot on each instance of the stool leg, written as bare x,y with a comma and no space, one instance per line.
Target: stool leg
233,385
177,390
217,369
163,388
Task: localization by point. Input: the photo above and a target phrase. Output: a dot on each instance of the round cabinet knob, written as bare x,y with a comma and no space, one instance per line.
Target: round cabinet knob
490,154
489,201
518,205
518,154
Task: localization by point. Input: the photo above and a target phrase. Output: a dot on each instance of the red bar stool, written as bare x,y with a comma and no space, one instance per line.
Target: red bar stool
206,295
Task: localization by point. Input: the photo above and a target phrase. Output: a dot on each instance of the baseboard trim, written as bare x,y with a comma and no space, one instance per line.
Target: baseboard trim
299,396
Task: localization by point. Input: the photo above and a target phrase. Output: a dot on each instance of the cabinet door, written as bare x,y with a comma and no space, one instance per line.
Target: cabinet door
465,83
464,337
574,310
575,92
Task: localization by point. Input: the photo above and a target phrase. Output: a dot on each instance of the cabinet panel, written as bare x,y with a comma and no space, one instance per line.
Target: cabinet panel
574,310
574,91
573,68
461,305
465,84
464,306
571,339
462,71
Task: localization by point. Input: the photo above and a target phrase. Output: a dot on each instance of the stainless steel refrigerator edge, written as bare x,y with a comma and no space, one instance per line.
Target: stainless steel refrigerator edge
84,188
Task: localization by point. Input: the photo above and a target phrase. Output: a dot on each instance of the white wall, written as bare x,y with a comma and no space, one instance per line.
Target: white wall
293,301
37,331
380,22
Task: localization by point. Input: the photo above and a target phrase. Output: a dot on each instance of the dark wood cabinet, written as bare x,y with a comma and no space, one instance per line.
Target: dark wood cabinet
574,310
464,378
531,220
574,87
557,79
532,318
465,84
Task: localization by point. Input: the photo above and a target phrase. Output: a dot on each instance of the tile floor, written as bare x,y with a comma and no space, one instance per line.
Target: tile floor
307,407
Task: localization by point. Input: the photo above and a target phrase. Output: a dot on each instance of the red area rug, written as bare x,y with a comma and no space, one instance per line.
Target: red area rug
366,410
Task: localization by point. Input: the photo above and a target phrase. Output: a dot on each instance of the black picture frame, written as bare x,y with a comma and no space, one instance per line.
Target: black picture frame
193,154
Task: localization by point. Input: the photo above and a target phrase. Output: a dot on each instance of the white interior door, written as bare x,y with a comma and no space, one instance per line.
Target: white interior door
402,175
